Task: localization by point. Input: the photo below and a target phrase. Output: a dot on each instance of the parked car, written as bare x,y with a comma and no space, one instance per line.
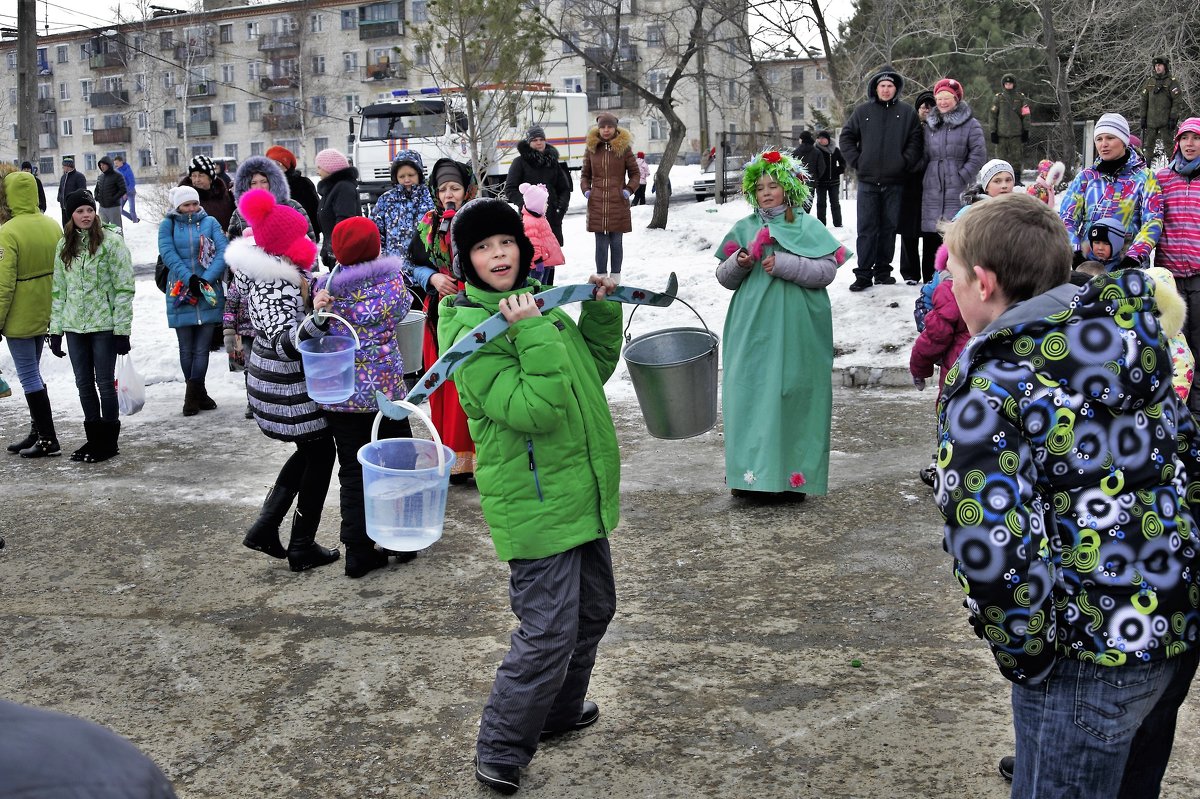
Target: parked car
703,185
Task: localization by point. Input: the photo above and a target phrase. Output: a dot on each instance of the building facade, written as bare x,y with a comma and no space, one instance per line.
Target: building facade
803,94
230,82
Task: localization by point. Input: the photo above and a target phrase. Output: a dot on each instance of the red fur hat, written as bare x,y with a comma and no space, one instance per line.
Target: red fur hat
278,229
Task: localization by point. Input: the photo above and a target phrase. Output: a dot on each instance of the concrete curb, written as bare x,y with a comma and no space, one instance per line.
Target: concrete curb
871,376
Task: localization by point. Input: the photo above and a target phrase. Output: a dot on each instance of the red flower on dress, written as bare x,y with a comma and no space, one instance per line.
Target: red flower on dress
796,480
772,157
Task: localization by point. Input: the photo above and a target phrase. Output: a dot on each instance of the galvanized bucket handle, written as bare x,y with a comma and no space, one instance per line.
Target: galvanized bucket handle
629,321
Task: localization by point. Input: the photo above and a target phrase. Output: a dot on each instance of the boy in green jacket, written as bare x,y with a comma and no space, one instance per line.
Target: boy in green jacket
548,473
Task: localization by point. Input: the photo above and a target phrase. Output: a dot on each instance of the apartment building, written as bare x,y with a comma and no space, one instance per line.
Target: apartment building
231,81
803,94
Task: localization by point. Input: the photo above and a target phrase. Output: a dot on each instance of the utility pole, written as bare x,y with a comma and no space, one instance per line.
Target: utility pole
27,76
702,91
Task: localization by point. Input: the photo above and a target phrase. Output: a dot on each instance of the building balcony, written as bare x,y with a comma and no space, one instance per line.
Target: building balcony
278,84
46,105
605,102
201,129
374,72
112,135
47,141
194,51
279,41
112,59
44,69
379,30
204,88
274,122
107,99
623,53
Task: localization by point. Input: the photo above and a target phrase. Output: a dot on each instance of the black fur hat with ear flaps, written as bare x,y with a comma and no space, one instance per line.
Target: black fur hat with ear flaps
483,217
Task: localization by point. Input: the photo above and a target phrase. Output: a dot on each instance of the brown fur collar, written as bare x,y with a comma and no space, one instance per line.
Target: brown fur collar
620,144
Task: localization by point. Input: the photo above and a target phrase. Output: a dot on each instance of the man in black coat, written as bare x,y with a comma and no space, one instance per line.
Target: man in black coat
70,181
828,177
806,153
882,141
28,167
110,190
538,162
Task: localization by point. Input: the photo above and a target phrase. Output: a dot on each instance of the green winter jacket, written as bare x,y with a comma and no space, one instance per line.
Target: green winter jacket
1010,113
548,467
93,293
1161,103
27,243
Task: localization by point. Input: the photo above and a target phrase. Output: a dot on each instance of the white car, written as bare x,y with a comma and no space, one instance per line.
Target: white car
703,185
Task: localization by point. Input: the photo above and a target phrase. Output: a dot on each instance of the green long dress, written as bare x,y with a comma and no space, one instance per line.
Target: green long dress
777,379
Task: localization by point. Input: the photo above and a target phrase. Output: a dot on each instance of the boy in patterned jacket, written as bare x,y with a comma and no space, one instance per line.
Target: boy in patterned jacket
1067,468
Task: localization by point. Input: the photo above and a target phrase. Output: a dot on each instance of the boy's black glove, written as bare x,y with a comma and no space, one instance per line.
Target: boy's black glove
995,137
1077,258
121,344
976,624
56,346
1128,263
194,286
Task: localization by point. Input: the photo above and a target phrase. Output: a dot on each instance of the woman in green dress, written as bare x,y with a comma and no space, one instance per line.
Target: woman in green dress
777,381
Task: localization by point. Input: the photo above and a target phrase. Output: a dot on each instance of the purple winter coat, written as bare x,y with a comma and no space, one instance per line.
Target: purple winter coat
373,298
954,153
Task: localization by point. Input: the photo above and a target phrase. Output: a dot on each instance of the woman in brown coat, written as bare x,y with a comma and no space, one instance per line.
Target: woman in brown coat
609,179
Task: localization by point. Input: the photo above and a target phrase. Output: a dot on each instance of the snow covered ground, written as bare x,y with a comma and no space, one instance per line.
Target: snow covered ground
873,328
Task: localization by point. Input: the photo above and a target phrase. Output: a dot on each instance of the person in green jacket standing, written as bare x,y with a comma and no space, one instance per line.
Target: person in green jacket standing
548,473
1010,123
1161,104
27,243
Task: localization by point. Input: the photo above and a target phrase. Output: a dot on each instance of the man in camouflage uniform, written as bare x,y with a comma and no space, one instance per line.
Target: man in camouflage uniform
1161,105
1010,124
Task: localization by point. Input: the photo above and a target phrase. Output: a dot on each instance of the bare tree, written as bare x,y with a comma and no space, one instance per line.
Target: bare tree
790,25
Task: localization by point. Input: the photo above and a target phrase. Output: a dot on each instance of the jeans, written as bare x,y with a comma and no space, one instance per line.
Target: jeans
130,199
94,361
194,343
1088,729
606,244
27,354
878,215
829,191
351,431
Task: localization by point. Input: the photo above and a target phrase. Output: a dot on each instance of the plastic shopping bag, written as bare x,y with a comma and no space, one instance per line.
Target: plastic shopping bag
131,387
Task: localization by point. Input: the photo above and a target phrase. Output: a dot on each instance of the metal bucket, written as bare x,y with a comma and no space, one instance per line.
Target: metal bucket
674,374
410,336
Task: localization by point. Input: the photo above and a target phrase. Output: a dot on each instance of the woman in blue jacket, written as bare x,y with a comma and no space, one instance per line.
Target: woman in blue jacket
192,247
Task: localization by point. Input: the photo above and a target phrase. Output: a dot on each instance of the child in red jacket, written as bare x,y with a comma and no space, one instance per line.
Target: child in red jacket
546,252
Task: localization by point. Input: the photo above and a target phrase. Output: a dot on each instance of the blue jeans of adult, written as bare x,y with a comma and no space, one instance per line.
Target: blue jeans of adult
609,244
878,216
1095,732
94,361
27,355
194,341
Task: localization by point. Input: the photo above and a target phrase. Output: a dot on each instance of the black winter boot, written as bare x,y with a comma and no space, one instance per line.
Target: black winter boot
92,432
191,406
27,441
105,445
43,419
303,551
264,533
203,401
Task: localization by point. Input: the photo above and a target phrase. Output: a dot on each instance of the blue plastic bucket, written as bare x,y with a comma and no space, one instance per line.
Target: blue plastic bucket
329,365
405,481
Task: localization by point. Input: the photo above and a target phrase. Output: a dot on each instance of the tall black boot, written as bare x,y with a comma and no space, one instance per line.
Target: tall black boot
190,406
92,431
264,533
303,551
27,441
203,401
105,445
43,419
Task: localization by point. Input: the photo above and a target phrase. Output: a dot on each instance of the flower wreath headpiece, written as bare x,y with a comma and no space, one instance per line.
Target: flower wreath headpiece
787,171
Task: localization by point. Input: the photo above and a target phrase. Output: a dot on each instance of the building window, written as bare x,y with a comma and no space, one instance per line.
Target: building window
573,83
231,151
139,82
11,59
568,40
656,82
143,120
225,34
89,124
420,11
819,74
85,90
168,79
321,143
254,111
251,31
64,93
350,62
173,156
316,23
654,36
114,84
144,159
731,90
169,119
44,91
46,165
229,113
658,129
318,65
349,20
818,103
201,113
166,40
205,150
62,53
420,56
89,162
351,103
66,127
797,79
12,97
317,104
257,148
797,108
227,75
114,121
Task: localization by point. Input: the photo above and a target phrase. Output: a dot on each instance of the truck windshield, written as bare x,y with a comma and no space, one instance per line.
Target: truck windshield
410,120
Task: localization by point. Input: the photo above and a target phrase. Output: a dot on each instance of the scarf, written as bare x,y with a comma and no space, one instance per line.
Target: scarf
1114,166
1186,169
